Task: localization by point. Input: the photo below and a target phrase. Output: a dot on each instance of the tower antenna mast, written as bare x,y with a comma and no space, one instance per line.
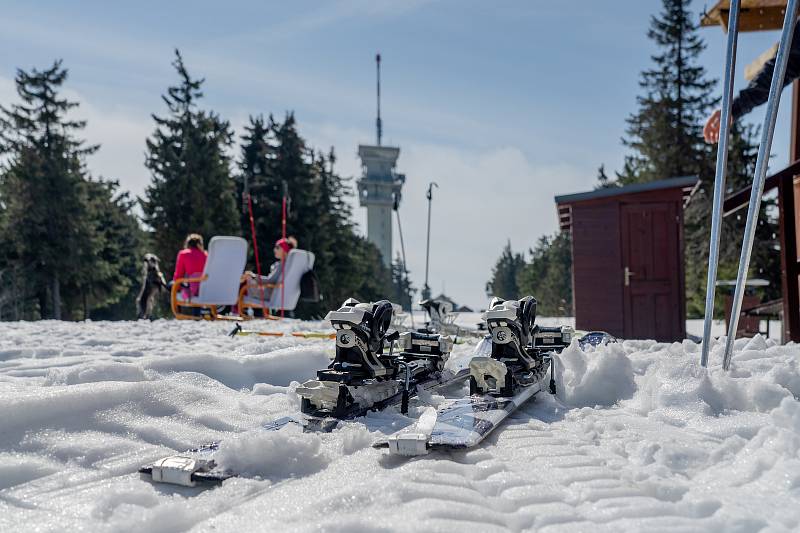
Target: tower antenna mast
378,123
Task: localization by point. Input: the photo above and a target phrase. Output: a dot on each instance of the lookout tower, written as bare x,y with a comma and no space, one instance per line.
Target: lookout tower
379,189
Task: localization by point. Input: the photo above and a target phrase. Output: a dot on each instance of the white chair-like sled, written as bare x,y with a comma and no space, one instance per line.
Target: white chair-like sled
219,283
297,263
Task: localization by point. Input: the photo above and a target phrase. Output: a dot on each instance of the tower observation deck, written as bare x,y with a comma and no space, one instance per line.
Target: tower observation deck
379,190
380,187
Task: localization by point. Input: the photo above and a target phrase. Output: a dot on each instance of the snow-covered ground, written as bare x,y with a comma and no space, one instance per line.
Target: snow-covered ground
639,438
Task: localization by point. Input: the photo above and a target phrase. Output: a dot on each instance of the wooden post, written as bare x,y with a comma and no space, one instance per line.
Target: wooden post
787,214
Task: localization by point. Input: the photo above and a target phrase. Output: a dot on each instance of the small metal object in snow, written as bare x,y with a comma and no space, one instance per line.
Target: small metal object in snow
177,470
408,444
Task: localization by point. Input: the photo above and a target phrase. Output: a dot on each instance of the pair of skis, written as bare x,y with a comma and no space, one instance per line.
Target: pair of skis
362,377
502,379
515,371
198,467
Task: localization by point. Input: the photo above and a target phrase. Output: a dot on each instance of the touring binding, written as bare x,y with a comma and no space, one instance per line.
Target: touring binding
367,370
520,348
441,318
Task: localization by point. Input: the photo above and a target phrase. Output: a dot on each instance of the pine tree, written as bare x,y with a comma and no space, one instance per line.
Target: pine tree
259,191
665,134
43,192
293,164
372,279
68,243
765,259
504,275
192,190
254,174
548,276
402,289
319,215
603,181
108,290
274,156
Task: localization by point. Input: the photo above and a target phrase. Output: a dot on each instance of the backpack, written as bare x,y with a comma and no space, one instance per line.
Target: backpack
309,288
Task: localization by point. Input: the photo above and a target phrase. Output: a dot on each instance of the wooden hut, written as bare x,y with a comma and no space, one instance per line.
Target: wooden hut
627,258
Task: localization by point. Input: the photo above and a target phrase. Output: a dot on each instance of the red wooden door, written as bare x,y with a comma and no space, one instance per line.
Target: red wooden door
651,272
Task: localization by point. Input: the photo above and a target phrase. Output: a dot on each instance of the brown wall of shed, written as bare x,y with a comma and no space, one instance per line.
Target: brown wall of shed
596,259
597,278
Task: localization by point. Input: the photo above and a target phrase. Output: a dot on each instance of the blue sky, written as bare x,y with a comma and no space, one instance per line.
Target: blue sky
503,104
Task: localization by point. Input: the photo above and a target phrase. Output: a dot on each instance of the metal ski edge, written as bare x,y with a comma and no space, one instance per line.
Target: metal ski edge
190,469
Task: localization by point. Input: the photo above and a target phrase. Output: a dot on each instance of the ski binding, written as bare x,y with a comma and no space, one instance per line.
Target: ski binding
515,371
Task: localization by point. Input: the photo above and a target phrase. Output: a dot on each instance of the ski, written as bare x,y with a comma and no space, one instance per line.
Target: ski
197,467
363,377
515,370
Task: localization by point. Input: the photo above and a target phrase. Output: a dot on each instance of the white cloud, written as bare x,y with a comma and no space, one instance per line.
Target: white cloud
485,197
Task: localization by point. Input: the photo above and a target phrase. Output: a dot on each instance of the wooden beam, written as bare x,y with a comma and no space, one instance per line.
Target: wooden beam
787,222
755,67
741,198
755,15
789,265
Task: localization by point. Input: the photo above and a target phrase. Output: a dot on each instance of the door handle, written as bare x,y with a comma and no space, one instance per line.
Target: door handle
628,275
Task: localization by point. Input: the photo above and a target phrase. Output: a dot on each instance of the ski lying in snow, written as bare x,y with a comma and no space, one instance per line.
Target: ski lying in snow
459,423
516,370
361,378
197,467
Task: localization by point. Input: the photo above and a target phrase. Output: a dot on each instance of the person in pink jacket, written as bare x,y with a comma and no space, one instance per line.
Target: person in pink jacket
190,262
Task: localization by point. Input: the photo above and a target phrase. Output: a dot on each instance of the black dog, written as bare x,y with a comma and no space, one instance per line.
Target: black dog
152,283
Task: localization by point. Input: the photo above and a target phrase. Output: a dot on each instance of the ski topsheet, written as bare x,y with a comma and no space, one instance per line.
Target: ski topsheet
458,423
198,466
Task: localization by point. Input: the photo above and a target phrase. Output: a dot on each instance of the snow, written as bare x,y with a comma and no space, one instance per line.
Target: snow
640,437
585,379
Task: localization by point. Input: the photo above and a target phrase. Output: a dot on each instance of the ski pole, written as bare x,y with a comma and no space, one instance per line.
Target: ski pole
255,250
283,236
760,174
719,178
402,248
427,289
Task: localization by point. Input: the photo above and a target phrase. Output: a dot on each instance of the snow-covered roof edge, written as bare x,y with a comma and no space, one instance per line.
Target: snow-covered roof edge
670,183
